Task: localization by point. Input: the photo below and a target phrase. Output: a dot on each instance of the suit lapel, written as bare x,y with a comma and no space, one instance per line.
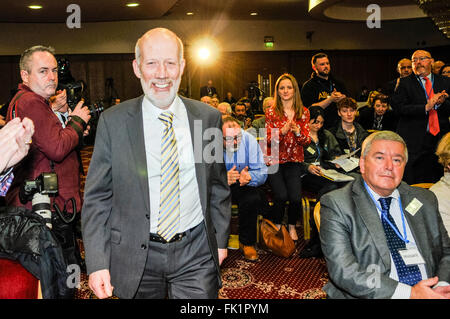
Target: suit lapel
368,212
195,126
135,130
416,225
417,87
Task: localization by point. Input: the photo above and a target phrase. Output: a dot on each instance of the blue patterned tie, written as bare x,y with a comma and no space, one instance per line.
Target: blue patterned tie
409,275
169,204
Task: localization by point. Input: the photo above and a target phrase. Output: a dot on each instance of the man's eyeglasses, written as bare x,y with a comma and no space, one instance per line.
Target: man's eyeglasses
421,59
232,138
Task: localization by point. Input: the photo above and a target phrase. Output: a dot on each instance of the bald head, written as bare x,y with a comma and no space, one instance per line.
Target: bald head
158,33
421,62
159,65
436,67
404,67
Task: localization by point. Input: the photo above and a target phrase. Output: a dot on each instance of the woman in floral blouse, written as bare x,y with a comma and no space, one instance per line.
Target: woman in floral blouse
287,125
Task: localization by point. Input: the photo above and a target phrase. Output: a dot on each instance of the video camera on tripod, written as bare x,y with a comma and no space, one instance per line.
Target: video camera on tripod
39,192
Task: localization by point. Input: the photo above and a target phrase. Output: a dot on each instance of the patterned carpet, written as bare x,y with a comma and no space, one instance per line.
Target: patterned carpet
270,277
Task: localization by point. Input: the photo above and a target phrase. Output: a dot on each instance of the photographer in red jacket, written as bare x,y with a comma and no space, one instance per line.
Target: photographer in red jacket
53,147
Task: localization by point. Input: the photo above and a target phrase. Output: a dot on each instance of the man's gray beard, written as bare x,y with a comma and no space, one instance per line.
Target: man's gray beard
165,103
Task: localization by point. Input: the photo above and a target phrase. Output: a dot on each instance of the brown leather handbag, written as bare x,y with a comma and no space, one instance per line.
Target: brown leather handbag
276,240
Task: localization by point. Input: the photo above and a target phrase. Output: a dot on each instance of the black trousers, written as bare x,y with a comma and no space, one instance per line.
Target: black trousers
318,185
286,185
250,201
183,269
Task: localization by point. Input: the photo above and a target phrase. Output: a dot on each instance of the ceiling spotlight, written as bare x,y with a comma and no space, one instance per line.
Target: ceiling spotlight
35,7
132,4
254,13
190,13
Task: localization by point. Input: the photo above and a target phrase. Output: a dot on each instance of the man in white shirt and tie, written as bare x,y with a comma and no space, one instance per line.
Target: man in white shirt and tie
157,204
423,108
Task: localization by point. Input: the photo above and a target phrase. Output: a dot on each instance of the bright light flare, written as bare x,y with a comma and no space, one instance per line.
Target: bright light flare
205,51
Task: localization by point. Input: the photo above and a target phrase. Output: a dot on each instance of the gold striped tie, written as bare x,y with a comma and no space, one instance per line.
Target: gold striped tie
169,204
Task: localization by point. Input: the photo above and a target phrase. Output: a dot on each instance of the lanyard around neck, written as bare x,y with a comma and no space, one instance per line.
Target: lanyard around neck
377,204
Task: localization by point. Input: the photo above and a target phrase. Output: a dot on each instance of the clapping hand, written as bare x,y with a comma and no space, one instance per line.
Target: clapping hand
337,96
244,177
290,126
233,175
15,140
437,98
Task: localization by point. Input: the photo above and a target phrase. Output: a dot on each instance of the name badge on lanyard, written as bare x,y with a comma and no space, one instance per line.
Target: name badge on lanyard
410,255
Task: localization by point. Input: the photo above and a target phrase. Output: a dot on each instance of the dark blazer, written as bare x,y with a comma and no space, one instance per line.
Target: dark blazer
204,91
116,211
367,115
353,239
409,104
339,134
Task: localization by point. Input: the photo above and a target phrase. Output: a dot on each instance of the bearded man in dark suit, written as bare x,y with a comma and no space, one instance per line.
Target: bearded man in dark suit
152,227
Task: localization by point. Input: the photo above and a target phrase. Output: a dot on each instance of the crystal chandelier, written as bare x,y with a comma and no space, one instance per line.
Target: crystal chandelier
439,12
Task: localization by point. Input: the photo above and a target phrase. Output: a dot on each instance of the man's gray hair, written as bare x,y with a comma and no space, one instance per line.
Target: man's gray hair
137,50
385,136
25,58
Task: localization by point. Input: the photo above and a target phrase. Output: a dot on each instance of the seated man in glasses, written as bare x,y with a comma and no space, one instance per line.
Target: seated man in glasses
246,171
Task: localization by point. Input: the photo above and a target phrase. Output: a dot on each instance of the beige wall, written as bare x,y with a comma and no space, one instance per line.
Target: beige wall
120,37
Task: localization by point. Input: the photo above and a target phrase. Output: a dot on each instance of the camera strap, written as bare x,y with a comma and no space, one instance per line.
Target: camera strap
13,114
13,110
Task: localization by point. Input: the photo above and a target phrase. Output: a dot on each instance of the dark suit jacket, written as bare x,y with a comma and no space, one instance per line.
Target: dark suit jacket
409,104
367,115
353,239
116,211
339,134
204,91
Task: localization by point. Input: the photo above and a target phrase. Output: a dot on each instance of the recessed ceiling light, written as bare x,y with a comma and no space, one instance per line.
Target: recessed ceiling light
254,13
35,7
133,4
190,13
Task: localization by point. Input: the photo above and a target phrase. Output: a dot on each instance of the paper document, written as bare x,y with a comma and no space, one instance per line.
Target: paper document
335,175
346,161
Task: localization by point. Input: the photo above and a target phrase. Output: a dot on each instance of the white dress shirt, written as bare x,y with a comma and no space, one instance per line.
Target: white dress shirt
60,115
190,207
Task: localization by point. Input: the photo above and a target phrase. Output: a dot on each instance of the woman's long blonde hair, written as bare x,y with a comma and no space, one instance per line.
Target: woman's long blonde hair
297,103
443,151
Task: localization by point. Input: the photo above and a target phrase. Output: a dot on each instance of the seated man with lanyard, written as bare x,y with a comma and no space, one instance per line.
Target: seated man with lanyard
382,238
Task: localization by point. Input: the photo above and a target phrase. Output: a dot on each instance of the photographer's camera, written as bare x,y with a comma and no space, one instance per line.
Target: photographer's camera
39,191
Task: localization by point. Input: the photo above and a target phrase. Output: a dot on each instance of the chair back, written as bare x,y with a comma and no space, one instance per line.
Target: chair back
317,216
423,185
